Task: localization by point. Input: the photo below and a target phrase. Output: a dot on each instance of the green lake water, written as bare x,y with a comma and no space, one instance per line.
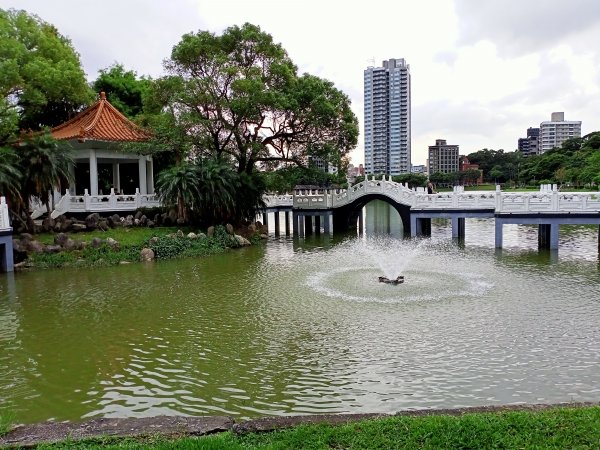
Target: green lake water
302,327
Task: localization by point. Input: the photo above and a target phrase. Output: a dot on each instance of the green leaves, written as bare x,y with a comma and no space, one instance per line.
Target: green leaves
239,95
41,79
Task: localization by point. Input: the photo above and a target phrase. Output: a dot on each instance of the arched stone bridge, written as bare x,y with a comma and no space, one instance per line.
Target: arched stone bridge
340,208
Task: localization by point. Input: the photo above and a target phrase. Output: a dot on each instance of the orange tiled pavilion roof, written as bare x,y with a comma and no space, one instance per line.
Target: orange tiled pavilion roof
100,122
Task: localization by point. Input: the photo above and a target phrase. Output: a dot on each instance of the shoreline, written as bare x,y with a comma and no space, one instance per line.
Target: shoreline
177,427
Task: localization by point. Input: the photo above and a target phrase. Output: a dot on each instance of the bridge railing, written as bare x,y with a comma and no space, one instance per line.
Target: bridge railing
4,217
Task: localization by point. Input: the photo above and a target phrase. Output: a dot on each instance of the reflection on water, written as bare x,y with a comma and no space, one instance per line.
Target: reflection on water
303,326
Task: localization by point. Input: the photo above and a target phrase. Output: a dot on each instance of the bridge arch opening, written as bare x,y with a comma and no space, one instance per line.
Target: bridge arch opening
385,215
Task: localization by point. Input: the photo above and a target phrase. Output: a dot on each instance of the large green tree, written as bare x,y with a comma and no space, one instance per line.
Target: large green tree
123,88
239,98
41,79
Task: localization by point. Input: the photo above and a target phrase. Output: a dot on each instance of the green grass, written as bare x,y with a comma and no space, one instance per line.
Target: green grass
6,422
131,241
558,428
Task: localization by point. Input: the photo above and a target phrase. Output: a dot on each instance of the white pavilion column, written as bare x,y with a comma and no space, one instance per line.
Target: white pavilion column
93,173
150,176
116,177
142,172
72,187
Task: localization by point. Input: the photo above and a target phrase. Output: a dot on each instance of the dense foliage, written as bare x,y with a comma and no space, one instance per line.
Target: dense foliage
123,88
238,98
576,162
41,79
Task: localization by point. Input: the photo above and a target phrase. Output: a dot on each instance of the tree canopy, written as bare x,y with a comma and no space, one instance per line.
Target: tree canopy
123,88
41,79
239,98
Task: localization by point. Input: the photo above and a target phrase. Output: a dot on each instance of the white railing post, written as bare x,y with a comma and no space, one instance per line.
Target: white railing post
498,199
112,200
138,198
86,199
4,218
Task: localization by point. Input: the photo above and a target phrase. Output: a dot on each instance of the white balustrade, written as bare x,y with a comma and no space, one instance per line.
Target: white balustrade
547,200
4,217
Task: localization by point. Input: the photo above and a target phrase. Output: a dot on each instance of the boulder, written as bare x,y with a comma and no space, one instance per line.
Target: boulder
157,219
150,224
258,224
35,246
48,224
103,225
137,222
180,221
61,239
25,237
96,242
69,244
53,249
77,227
143,221
153,240
179,234
201,236
251,228
242,240
147,254
166,220
91,221
128,221
19,250
229,228
138,215
173,215
192,236
80,245
67,225
211,231
114,245
264,236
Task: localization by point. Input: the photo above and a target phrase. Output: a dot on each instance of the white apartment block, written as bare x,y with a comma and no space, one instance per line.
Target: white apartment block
387,118
556,131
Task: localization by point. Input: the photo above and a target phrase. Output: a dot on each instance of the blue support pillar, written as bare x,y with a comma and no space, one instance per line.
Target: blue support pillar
327,223
498,233
6,254
295,219
276,223
458,227
413,225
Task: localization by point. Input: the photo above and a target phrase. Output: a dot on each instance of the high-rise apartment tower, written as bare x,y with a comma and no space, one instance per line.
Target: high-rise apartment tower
557,131
387,118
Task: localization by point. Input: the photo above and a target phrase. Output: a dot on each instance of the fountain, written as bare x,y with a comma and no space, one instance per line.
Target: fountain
398,280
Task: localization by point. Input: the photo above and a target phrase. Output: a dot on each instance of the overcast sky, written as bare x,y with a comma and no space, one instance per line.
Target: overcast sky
482,71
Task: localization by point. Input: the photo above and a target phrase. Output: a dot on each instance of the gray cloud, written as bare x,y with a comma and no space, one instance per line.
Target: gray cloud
519,27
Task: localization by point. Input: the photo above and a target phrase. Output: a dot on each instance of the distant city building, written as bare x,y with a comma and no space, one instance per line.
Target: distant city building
443,157
464,164
557,131
530,145
354,171
418,169
318,163
387,118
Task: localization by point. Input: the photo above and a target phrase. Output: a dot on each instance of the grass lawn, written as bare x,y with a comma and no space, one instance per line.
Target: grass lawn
560,428
131,241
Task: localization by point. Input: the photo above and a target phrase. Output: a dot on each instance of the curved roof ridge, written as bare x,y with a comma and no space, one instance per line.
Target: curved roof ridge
102,122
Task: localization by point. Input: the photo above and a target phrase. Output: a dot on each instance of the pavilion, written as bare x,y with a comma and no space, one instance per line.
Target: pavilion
105,176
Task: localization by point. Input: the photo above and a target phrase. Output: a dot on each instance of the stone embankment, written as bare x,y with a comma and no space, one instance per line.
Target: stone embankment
179,427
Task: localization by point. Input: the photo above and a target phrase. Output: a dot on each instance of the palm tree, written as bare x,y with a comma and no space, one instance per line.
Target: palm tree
179,186
10,175
218,186
44,164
